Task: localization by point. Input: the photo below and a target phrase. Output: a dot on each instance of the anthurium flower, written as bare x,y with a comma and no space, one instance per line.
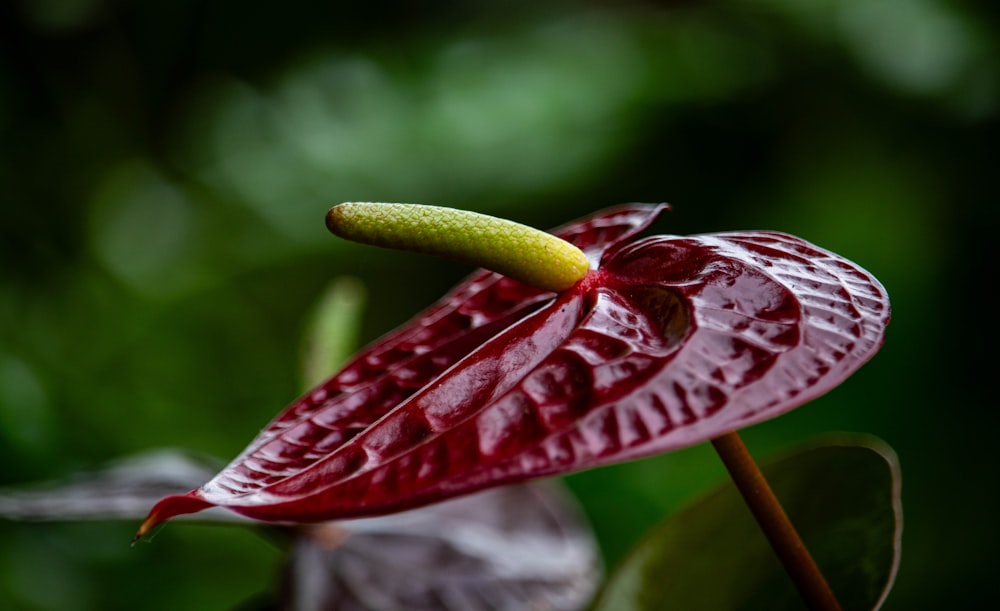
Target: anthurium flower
656,344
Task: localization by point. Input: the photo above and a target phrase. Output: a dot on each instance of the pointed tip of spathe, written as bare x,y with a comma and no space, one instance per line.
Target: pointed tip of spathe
169,507
151,521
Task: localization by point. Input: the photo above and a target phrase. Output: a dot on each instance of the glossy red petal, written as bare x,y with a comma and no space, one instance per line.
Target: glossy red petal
390,370
671,341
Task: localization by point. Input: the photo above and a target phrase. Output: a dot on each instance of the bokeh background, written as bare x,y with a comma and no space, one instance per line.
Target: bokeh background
165,168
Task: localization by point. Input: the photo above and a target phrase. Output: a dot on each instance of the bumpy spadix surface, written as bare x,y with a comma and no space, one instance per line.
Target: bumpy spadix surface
667,342
515,250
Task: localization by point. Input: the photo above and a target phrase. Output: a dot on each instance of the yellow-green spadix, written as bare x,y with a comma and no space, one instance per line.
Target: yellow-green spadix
518,251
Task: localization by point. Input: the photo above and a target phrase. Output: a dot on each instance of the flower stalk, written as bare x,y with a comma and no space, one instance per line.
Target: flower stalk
774,522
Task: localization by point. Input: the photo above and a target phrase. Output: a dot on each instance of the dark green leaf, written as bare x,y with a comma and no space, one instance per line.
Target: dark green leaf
843,495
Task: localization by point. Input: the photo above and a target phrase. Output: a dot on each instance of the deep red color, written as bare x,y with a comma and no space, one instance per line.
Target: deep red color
668,342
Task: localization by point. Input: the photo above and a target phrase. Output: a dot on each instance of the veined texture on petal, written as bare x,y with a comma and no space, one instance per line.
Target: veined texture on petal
668,342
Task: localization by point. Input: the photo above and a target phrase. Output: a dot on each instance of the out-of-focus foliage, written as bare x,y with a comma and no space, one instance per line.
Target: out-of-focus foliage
165,168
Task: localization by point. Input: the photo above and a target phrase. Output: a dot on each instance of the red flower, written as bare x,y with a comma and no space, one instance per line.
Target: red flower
666,342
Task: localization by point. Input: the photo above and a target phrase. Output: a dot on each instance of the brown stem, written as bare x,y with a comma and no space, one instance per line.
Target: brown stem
784,539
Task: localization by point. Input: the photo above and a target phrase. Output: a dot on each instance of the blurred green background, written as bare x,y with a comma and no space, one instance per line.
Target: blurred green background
165,168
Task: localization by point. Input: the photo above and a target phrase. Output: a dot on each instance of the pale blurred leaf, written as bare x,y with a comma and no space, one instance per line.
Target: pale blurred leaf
331,335
121,490
520,547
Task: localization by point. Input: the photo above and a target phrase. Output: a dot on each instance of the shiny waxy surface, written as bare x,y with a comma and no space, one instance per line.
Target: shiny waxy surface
667,342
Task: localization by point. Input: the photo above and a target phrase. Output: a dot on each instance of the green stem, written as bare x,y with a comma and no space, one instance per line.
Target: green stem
523,253
774,522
